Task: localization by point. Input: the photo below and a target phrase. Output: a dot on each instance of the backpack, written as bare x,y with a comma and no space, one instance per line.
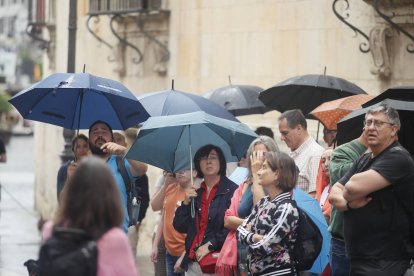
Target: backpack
308,243
133,199
68,252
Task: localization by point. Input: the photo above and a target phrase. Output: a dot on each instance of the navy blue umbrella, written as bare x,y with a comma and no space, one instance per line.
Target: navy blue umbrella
174,102
75,101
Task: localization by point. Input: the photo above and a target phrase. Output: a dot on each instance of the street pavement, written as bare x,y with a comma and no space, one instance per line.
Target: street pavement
19,237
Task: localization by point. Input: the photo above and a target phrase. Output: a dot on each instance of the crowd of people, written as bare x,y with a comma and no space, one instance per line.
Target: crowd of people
210,225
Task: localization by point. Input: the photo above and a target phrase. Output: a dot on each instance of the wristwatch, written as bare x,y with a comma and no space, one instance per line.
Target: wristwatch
210,247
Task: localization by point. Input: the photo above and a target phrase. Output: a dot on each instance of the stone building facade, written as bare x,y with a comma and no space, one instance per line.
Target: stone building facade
199,43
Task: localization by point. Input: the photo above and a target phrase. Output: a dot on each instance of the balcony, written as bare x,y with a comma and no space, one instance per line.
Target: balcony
112,7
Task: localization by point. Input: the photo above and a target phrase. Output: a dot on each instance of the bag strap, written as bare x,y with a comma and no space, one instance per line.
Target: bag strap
122,170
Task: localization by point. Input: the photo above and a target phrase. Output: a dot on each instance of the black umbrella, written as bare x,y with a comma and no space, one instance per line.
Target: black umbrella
401,93
307,92
238,99
351,126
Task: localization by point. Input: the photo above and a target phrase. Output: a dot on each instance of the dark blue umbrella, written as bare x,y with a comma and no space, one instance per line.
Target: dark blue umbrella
314,211
174,102
75,101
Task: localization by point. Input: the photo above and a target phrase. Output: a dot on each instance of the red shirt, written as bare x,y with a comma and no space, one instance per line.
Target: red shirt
205,204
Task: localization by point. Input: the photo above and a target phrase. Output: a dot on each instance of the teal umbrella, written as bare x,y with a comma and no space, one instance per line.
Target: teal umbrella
170,142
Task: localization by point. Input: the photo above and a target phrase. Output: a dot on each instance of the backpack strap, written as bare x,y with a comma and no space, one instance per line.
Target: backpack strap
122,170
134,197
127,182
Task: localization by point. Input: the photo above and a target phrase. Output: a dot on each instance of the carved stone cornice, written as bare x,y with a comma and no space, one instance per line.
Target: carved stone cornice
380,47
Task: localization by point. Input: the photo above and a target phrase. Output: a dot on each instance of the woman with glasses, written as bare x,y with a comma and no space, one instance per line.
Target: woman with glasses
205,231
270,229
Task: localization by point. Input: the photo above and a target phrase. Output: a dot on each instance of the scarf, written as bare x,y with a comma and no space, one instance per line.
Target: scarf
227,260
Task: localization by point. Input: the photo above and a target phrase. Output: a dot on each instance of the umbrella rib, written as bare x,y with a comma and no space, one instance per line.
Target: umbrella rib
113,107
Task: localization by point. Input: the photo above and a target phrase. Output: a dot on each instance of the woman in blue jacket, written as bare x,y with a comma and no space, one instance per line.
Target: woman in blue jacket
206,231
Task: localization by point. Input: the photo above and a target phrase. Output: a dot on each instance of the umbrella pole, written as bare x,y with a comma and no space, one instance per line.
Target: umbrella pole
317,133
80,111
191,173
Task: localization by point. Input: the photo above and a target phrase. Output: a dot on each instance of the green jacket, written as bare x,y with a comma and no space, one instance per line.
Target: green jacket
342,159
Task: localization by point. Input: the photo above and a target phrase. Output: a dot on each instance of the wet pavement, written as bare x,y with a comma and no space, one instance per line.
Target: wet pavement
19,237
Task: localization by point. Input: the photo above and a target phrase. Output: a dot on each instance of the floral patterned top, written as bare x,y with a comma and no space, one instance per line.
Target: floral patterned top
276,220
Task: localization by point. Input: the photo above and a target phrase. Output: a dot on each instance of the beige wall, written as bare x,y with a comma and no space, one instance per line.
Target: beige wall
259,42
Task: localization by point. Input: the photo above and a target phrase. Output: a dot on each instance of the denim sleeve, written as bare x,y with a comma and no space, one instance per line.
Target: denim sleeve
246,203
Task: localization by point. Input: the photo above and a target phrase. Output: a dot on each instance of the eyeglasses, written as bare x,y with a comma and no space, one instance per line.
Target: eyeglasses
377,123
209,158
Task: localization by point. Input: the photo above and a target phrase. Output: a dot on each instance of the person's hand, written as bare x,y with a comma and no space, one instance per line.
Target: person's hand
202,251
177,265
257,237
256,161
113,148
189,194
359,203
169,178
71,169
154,254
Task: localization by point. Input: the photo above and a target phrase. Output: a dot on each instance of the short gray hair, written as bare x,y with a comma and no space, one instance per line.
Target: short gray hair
391,113
267,141
293,118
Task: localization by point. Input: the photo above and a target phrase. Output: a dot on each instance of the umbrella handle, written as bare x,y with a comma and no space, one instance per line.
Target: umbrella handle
192,208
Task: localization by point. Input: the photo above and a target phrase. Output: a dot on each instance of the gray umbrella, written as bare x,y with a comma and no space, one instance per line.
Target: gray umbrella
238,99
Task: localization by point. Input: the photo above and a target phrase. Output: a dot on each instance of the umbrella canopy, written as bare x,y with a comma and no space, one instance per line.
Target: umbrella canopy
330,113
238,99
351,126
401,93
307,92
75,101
173,102
186,133
313,210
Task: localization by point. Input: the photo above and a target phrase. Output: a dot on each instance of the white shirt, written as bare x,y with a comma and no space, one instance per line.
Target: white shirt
307,157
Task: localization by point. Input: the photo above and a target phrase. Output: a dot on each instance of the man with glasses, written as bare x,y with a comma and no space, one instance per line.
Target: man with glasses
376,198
304,149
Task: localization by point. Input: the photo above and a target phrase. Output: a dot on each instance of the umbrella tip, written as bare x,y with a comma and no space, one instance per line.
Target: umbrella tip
84,68
229,80
324,71
172,84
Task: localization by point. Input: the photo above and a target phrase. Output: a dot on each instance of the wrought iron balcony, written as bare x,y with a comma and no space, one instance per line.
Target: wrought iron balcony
101,7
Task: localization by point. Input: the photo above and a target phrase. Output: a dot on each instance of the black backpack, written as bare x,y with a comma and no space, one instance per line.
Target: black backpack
131,189
68,252
308,243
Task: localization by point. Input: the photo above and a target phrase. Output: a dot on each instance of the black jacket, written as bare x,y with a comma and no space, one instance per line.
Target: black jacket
215,232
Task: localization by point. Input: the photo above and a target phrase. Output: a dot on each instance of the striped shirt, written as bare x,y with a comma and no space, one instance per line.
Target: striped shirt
307,158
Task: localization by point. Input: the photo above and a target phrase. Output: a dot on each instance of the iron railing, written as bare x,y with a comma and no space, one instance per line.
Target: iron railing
101,7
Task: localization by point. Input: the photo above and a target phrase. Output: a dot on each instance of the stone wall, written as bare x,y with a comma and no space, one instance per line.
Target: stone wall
258,42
